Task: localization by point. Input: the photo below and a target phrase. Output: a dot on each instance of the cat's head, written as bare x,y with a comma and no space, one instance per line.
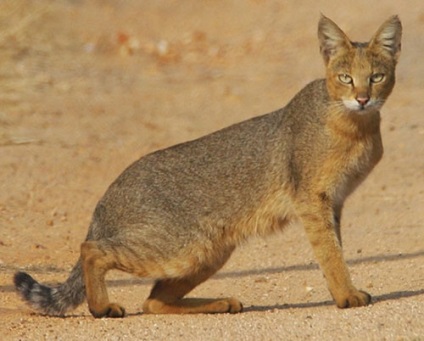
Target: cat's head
360,76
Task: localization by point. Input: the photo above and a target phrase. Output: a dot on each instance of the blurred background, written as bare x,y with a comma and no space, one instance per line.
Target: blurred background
87,87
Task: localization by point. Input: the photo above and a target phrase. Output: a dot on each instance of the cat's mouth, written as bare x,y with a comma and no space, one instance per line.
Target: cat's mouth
361,107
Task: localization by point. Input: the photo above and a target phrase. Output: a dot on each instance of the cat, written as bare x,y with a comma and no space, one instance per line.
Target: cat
177,214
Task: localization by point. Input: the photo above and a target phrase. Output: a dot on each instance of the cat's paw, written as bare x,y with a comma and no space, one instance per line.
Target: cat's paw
230,305
112,310
354,299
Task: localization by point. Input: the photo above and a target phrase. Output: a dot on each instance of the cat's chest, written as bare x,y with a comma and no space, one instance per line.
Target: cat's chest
351,163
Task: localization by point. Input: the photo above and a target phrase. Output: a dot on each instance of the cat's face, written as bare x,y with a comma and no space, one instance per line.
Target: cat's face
360,76
361,79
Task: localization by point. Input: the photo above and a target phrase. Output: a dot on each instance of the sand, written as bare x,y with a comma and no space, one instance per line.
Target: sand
87,87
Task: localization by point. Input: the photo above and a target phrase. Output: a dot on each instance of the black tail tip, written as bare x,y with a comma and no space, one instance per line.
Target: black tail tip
23,282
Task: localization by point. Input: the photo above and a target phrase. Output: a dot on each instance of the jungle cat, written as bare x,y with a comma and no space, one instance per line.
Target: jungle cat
177,214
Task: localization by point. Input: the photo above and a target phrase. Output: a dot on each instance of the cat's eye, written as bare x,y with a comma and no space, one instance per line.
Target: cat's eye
377,78
345,78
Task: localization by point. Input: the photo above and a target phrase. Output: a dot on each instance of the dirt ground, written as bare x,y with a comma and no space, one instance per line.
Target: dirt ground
87,87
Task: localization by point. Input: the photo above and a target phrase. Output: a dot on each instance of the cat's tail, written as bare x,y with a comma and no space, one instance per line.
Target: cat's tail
55,300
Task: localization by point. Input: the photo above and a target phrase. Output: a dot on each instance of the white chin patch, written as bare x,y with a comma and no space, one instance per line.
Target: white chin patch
353,105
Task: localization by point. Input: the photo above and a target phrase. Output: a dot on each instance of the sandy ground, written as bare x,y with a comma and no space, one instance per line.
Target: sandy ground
87,87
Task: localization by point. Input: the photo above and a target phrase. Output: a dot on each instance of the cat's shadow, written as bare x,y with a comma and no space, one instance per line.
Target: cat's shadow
395,295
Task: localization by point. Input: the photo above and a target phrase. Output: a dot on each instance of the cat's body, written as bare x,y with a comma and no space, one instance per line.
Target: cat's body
177,214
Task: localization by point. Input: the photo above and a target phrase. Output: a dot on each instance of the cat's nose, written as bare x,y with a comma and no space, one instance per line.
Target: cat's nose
362,100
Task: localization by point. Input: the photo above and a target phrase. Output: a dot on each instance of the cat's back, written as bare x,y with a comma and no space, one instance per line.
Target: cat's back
231,170
234,157
228,170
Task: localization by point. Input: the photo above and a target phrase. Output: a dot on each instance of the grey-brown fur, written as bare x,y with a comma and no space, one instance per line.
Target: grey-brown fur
176,215
52,300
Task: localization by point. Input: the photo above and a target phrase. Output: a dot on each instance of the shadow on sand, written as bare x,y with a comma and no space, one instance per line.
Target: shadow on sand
393,296
252,272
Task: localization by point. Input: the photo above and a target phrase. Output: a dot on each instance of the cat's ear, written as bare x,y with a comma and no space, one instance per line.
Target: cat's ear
331,38
388,37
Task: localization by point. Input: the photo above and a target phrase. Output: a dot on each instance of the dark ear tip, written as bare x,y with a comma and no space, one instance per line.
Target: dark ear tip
394,19
323,19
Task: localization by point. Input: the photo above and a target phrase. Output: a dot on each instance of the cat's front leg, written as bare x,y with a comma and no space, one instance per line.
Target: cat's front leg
324,233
